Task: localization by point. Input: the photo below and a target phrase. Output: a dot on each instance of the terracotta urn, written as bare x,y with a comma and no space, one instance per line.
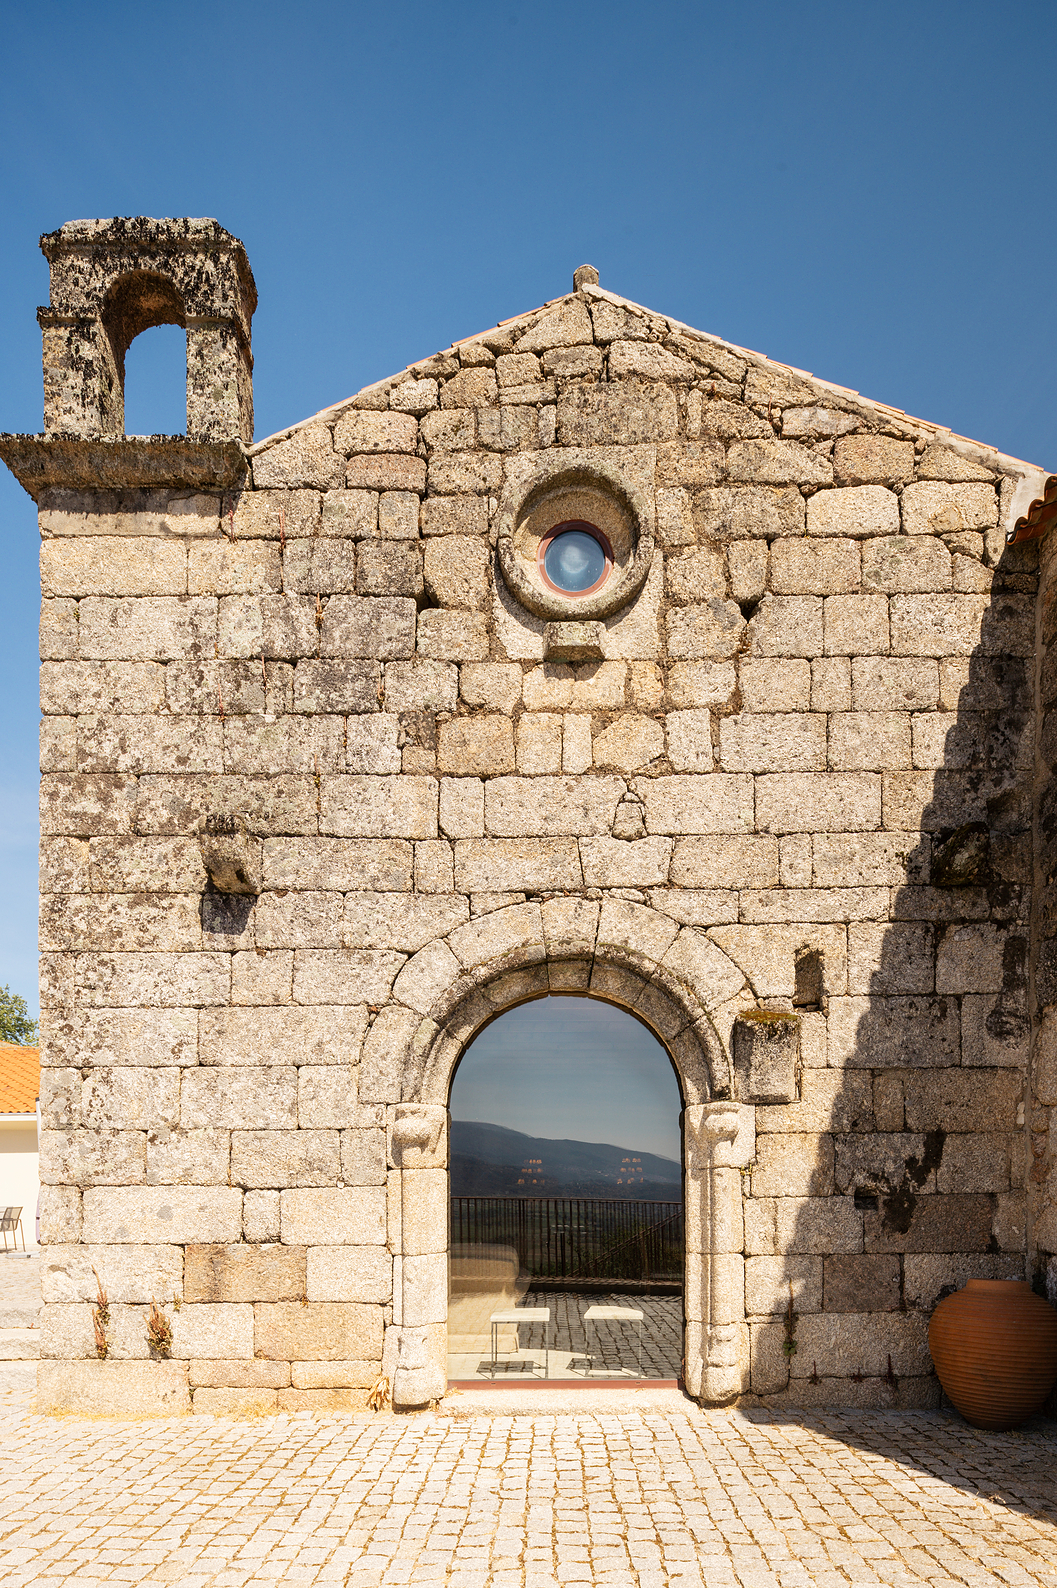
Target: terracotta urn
994,1344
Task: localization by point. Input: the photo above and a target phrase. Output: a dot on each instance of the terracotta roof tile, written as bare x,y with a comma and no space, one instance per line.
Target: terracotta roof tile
19,1079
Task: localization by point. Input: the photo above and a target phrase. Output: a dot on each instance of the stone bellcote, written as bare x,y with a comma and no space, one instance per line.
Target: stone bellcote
112,279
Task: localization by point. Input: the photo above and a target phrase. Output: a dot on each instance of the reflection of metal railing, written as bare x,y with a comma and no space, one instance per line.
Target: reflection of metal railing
577,1238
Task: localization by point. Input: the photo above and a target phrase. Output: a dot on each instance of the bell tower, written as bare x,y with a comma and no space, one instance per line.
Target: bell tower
112,279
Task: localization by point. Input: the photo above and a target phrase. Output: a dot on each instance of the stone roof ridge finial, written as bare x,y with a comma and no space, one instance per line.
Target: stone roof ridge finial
586,276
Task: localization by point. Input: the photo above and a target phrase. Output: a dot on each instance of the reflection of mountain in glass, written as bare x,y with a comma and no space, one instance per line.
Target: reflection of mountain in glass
489,1160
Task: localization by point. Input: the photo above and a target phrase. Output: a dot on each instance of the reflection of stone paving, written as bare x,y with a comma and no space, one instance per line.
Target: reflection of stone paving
612,1347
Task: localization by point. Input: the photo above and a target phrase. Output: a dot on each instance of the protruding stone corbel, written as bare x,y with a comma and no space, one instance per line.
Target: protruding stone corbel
766,1050
231,854
416,1134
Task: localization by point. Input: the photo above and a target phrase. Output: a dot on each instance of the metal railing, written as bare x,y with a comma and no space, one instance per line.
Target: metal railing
577,1238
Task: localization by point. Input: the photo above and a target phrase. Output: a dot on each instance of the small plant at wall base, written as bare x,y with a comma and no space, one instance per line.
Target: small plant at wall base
101,1320
15,1023
159,1333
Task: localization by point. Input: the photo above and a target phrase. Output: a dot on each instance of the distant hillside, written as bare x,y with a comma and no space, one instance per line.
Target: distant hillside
490,1160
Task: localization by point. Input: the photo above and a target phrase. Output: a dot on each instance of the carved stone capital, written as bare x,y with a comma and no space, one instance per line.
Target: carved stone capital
416,1133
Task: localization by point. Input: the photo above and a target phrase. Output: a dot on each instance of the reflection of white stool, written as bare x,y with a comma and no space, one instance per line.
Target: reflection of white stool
620,1314
518,1316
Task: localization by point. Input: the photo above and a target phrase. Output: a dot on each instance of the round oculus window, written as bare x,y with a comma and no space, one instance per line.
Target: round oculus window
575,558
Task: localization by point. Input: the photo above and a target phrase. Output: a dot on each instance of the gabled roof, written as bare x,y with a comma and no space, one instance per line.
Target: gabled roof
1028,512
19,1079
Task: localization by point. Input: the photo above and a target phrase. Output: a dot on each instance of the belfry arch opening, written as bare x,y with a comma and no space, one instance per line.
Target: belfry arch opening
567,1233
147,396
155,382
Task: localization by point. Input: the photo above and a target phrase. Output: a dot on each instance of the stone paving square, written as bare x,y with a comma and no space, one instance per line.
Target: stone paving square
662,1495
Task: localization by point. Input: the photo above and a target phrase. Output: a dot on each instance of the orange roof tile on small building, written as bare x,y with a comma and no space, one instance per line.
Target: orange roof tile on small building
19,1079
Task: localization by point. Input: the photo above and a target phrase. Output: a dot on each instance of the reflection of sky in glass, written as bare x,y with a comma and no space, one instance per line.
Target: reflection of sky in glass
572,1068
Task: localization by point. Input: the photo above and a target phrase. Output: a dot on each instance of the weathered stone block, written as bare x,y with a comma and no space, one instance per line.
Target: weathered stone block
963,1100
114,565
332,976
230,1377
689,735
713,803
240,1097
937,508
858,459
905,563
128,1273
815,567
869,740
895,958
786,625
242,1274
977,958
630,743
349,1273
822,1225
793,1166
379,807
710,629
304,458
476,746
386,471
248,1402
188,1157
424,1212
113,1389
881,683
263,1159
456,571
453,636
616,415
726,862
323,1387
762,742
777,463
213,1329
317,1331
616,863
516,807
900,1032
856,512
266,1036
147,628
908,1223
371,626
359,432
260,1215
861,1283
349,1216
161,1215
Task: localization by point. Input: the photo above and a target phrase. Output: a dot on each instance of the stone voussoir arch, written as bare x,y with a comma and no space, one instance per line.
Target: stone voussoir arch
670,976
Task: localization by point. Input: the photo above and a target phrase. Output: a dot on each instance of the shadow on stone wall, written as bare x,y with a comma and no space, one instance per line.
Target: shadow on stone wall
907,1157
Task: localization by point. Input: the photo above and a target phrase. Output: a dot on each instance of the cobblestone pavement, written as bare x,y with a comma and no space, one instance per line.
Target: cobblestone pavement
645,1498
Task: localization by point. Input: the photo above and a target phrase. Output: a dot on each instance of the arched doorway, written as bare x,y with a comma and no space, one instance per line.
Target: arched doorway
672,978
566,1210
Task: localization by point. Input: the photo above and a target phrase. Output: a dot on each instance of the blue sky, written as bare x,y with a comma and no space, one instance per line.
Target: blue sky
572,1069
862,191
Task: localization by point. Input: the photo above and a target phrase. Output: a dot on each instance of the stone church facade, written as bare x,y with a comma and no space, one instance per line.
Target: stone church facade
334,771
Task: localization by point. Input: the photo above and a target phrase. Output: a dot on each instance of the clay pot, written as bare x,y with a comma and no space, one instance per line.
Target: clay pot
995,1349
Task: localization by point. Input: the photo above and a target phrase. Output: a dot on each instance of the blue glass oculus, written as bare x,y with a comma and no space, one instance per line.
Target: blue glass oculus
574,560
